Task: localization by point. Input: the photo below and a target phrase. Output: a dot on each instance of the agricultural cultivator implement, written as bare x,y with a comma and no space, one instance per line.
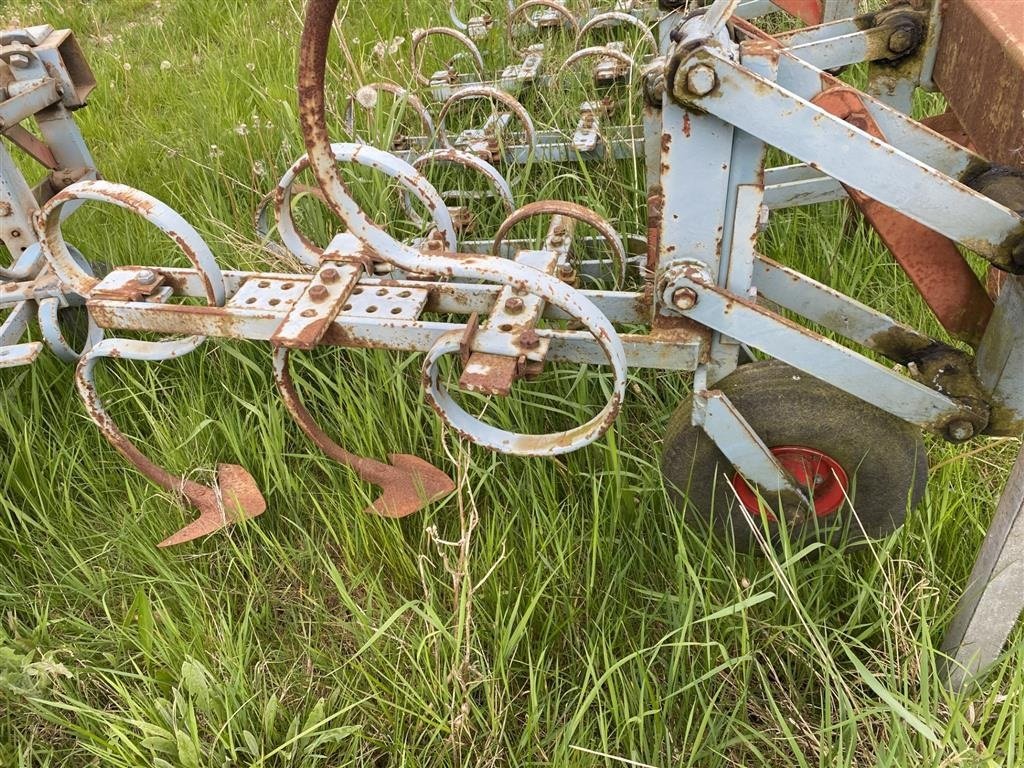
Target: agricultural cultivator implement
819,433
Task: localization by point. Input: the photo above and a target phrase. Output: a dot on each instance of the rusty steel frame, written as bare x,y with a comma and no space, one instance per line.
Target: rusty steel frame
718,93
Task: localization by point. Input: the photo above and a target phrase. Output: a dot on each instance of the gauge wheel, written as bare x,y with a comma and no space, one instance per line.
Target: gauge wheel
862,466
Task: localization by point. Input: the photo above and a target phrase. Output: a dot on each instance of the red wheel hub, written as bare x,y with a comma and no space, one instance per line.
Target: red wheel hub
822,476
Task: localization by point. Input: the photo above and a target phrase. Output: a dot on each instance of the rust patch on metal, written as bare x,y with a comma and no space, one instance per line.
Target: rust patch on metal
932,261
985,39
408,484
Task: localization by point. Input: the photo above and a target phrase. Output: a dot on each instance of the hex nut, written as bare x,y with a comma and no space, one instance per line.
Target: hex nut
514,305
959,430
701,80
318,293
145,277
329,276
901,40
684,298
19,61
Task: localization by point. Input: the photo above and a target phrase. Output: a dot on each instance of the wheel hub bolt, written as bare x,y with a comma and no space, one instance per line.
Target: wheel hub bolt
701,80
318,293
514,305
145,277
960,430
684,298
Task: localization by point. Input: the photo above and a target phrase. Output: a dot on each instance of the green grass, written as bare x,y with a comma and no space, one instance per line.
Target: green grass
553,612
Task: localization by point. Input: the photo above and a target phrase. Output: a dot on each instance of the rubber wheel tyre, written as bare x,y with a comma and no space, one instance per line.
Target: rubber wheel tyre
883,457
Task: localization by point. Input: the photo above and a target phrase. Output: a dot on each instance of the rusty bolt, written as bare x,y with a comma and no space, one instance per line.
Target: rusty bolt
318,293
514,305
701,80
19,61
557,240
902,40
684,298
960,430
329,275
145,277
529,340
5,209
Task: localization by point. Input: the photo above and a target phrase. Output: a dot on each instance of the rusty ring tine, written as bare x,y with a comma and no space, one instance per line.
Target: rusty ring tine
238,484
419,35
488,92
261,221
369,157
316,35
453,156
160,215
561,10
459,23
572,211
596,50
408,484
401,94
595,22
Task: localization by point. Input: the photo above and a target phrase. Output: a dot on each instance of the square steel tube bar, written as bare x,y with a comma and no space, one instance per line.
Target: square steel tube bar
1000,358
622,307
676,350
901,131
885,173
818,356
831,309
993,599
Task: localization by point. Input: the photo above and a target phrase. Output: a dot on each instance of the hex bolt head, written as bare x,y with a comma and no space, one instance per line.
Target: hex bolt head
318,293
514,305
529,340
684,298
329,276
901,40
19,61
701,80
145,277
960,430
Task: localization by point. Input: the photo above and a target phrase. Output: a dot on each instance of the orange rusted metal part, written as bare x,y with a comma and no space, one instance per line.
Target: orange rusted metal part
409,483
979,67
235,497
810,12
932,262
949,126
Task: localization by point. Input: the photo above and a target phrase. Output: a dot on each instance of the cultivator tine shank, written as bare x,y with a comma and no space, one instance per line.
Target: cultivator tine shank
408,484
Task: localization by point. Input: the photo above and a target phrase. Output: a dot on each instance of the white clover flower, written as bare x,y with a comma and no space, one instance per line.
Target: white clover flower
165,65
127,67
251,66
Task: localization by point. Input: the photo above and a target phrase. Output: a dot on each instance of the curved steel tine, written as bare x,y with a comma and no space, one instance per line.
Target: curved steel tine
409,483
232,498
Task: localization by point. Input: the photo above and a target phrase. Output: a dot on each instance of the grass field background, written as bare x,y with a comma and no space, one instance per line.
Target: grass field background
552,612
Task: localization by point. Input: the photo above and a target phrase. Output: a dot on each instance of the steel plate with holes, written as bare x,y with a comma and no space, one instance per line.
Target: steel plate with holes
268,293
390,303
